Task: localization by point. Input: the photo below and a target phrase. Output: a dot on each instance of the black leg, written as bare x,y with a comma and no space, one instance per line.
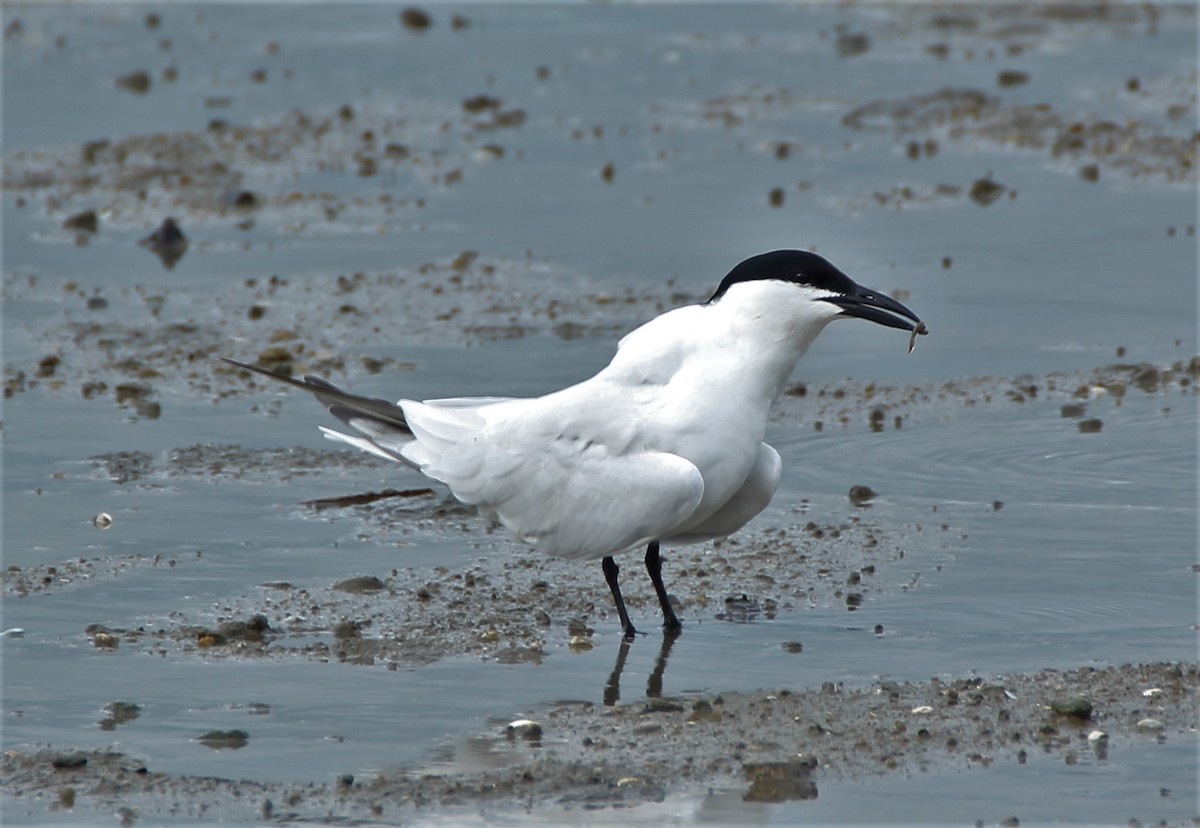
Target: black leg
654,566
610,574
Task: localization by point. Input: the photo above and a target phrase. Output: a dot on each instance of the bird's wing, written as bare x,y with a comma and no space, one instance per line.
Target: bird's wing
754,495
571,497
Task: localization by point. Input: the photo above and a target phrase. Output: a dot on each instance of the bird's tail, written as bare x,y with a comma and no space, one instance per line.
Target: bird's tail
382,423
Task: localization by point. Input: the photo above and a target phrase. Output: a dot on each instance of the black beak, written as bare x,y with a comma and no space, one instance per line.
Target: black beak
878,307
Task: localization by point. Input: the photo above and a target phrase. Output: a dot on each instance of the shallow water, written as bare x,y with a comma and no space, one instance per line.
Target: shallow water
1087,562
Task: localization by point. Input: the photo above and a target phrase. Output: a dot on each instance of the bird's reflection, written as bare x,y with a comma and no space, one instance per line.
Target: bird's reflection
654,684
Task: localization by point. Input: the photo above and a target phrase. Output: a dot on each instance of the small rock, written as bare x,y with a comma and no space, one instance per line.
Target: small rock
104,640
1073,410
576,626
861,495
48,364
137,82
251,629
849,44
208,638
526,729
122,712
167,242
579,644
149,410
224,739
985,191
1146,377
702,711
416,20
1091,425
1151,725
274,356
102,520
87,222
792,647
68,761
1077,707
346,629
1012,77
780,781
359,585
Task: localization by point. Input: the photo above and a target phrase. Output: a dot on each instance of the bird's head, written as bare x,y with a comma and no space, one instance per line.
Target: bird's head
830,293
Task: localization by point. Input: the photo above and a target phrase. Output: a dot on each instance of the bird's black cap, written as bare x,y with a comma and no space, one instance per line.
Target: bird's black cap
797,266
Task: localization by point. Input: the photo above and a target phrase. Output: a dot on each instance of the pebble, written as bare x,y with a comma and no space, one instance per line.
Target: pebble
985,191
579,644
137,82
346,629
1152,692
68,761
122,711
1079,707
224,739
1091,425
526,729
1152,725
102,520
105,640
359,585
1097,736
167,242
780,781
861,495
416,20
87,221
1012,77
922,708
577,627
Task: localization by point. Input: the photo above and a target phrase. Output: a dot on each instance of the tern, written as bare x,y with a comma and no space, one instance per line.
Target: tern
662,446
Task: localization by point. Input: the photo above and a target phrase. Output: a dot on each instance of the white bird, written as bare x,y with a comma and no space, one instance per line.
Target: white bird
664,445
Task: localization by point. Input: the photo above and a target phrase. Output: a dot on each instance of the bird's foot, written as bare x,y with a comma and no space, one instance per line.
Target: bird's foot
672,628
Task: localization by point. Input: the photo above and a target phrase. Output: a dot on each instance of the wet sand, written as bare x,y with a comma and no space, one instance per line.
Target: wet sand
772,746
